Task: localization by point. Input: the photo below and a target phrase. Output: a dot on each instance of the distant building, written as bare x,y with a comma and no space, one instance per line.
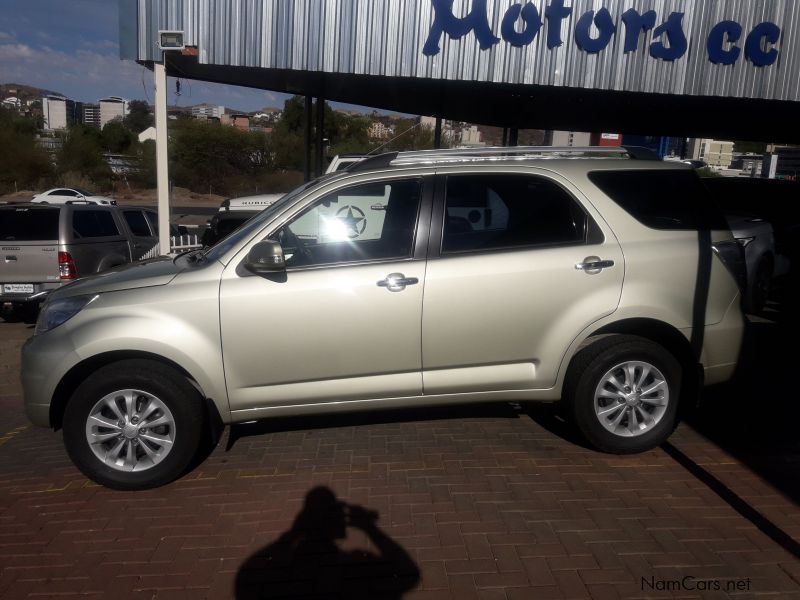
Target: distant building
208,111
748,164
12,102
239,121
91,115
112,108
716,153
470,136
571,138
59,112
378,131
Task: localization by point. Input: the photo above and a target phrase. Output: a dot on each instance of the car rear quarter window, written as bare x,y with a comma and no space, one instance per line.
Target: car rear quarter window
93,224
492,212
137,223
662,199
28,224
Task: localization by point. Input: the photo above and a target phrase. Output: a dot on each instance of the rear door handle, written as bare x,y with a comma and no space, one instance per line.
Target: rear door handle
397,282
593,264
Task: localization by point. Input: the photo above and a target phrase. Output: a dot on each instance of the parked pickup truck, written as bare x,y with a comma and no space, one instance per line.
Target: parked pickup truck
43,247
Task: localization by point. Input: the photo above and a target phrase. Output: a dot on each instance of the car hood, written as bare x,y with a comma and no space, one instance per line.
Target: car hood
146,273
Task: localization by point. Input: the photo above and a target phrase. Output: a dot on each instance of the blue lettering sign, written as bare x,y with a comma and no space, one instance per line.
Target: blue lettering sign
446,22
555,13
753,49
532,24
673,29
523,21
635,24
605,25
725,32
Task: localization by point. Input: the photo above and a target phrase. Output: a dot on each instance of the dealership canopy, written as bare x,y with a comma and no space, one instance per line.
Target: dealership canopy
683,67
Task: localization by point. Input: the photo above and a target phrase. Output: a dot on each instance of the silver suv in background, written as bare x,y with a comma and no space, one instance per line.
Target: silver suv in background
584,276
43,247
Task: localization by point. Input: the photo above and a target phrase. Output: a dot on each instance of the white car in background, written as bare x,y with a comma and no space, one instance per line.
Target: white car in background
71,195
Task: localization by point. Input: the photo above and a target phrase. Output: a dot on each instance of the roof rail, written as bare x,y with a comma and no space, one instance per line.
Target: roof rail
521,153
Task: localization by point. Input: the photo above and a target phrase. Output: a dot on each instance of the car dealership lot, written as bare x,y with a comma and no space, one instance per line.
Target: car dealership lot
488,502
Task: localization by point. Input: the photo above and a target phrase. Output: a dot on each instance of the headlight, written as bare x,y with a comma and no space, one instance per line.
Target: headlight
60,311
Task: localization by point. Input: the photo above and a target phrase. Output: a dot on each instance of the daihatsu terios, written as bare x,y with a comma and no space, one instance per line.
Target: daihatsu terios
408,280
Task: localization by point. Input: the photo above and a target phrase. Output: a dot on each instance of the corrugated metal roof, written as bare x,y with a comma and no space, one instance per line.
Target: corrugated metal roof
386,38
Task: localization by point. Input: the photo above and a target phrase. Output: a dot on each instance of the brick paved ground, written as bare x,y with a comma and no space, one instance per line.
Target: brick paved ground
486,502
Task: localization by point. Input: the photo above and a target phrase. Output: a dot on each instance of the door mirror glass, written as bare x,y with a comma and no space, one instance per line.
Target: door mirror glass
265,257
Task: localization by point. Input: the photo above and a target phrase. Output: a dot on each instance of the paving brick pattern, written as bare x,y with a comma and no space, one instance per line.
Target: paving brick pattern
487,502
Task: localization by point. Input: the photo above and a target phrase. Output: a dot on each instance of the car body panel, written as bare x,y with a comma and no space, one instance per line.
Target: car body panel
179,323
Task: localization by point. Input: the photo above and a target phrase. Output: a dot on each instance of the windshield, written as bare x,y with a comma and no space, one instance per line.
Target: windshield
84,192
217,251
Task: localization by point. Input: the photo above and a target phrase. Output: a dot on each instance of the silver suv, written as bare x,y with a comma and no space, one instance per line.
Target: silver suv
46,246
408,280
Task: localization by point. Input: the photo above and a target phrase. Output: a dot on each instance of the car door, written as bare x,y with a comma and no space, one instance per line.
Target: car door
343,322
507,288
142,238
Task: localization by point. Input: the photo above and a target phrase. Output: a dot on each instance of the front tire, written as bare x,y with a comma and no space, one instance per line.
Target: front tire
133,424
623,392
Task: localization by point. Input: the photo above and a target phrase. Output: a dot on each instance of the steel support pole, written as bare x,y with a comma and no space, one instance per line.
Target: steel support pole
513,137
307,139
505,136
437,133
320,136
162,163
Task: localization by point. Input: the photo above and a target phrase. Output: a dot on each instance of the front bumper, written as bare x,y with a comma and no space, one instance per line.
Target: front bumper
45,360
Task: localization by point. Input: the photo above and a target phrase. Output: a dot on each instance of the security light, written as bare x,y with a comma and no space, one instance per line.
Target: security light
170,40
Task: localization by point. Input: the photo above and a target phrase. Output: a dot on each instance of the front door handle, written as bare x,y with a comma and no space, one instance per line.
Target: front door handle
397,282
593,264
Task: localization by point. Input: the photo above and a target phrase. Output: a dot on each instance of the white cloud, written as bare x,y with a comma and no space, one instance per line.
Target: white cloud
5,35
82,74
15,52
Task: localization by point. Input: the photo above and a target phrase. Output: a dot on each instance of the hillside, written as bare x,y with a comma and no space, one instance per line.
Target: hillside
24,92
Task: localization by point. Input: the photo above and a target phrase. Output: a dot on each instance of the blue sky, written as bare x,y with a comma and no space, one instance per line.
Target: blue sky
72,47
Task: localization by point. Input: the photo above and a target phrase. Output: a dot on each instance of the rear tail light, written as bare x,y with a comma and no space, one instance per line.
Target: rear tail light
66,266
731,253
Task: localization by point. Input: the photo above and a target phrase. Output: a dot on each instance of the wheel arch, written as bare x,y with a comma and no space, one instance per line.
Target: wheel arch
78,373
663,334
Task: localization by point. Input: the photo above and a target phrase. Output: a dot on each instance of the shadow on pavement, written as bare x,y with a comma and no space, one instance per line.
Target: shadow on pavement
306,562
755,416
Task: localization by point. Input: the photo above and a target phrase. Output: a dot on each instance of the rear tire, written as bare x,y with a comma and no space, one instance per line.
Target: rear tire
133,425
622,392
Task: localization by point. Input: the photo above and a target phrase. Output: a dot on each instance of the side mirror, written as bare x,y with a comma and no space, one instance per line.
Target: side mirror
265,257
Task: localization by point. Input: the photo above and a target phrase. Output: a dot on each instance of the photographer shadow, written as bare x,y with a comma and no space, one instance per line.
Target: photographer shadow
306,562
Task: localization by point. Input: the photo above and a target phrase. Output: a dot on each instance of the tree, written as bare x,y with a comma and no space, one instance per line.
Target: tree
139,117
23,164
116,138
214,157
410,135
82,154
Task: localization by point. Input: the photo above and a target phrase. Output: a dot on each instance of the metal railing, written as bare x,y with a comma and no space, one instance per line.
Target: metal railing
178,244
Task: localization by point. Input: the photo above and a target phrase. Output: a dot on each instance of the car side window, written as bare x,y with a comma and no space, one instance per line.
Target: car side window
93,223
137,223
374,221
152,218
63,193
487,212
